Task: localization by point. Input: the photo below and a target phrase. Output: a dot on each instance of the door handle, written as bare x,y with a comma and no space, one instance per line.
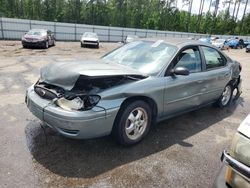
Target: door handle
226,75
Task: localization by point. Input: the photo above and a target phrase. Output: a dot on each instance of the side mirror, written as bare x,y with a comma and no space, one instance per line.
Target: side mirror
181,71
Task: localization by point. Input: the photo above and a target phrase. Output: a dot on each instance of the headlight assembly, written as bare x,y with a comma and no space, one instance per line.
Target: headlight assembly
78,102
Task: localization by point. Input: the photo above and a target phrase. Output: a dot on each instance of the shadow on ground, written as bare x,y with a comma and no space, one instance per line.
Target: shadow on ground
89,158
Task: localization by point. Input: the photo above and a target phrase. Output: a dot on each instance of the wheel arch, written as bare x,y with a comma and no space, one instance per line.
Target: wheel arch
151,102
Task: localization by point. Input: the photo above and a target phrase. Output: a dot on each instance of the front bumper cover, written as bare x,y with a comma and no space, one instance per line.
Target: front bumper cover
76,124
33,44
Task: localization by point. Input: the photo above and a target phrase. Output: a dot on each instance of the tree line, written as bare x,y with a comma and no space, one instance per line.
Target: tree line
147,14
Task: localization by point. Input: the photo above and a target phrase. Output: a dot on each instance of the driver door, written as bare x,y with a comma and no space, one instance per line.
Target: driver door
184,92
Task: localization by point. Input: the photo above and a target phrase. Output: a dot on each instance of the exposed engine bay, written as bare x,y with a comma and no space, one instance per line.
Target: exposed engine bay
84,94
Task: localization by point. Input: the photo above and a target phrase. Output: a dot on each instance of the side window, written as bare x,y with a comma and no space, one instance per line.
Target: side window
190,59
213,58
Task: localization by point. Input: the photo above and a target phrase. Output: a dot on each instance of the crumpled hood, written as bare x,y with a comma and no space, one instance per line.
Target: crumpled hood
65,74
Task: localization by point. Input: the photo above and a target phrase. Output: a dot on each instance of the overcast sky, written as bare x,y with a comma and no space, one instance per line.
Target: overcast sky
196,5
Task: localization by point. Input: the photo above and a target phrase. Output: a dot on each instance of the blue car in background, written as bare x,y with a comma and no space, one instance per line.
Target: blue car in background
235,43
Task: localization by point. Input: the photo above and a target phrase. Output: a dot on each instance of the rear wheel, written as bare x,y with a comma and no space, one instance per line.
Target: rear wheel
132,123
225,97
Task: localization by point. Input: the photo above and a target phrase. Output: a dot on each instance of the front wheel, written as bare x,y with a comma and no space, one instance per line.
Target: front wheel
225,97
132,123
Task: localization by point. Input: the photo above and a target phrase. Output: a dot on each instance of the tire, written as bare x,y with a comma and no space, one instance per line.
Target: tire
54,43
129,128
46,44
82,45
98,46
24,46
226,97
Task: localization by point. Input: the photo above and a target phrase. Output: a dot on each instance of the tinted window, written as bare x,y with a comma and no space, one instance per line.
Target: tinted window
213,58
190,59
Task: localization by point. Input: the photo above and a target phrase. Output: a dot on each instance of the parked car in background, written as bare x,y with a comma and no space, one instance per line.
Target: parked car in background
206,40
248,48
246,43
235,43
132,87
235,172
90,39
213,38
220,43
130,38
38,38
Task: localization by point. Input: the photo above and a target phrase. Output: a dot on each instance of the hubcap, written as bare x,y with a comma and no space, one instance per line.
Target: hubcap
226,95
136,123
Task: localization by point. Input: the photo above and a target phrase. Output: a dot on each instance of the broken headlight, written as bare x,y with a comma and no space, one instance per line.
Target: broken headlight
81,102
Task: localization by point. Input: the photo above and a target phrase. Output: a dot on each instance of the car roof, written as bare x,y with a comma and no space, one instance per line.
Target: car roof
179,42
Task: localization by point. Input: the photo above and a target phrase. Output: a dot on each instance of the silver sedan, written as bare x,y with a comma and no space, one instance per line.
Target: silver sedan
133,87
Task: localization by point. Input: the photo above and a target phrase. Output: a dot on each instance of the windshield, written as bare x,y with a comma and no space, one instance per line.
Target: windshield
90,35
38,33
145,56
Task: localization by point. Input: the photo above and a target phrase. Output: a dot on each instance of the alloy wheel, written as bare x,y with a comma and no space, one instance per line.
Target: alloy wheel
226,95
136,123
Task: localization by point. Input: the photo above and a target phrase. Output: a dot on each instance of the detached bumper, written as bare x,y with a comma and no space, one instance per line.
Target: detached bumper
76,124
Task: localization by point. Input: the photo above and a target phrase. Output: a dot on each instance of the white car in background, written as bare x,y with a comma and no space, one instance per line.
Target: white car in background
220,43
89,39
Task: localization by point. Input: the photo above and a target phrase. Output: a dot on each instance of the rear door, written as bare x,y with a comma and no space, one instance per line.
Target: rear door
183,92
216,75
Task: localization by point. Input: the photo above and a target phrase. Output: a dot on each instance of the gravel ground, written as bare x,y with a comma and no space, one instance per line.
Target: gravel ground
181,152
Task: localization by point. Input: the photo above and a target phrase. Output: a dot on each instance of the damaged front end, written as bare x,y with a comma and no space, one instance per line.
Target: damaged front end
84,94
